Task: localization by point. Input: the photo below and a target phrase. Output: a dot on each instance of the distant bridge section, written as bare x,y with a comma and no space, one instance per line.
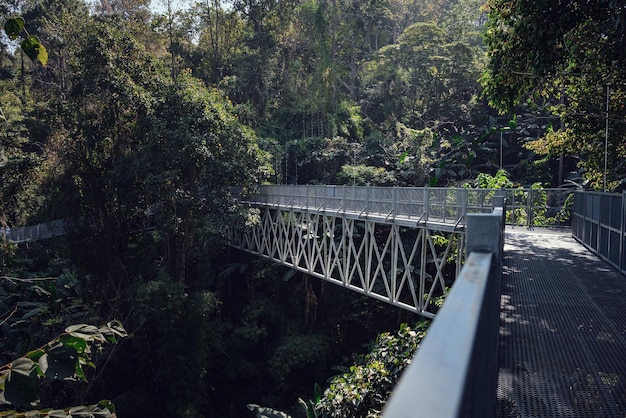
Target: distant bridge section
400,245
35,232
439,207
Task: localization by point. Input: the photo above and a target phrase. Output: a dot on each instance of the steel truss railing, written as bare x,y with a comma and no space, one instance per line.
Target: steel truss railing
405,267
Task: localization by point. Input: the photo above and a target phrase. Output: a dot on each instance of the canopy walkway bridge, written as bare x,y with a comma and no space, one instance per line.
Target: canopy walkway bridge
536,328
534,320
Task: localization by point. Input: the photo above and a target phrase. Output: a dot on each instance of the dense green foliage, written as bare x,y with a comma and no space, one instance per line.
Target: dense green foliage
567,60
66,357
364,388
134,126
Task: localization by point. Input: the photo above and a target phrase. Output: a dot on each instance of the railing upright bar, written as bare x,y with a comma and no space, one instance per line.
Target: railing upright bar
445,199
408,194
622,234
599,228
584,217
529,205
394,196
464,208
426,203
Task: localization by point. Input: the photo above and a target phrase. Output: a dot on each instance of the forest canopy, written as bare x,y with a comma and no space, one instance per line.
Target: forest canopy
137,124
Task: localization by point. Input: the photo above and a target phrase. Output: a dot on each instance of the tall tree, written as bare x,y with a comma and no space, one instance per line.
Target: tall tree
99,126
198,151
422,80
568,57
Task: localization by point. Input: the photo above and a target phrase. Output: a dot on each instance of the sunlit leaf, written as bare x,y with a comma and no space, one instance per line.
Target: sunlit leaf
117,328
57,413
111,330
22,366
78,344
34,355
35,50
84,331
80,412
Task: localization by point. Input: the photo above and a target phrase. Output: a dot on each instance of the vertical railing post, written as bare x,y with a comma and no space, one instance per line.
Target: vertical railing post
306,206
622,266
408,193
393,205
485,233
445,199
464,196
482,193
426,203
583,217
587,218
599,229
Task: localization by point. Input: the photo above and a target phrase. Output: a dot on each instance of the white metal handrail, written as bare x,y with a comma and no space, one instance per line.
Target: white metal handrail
525,206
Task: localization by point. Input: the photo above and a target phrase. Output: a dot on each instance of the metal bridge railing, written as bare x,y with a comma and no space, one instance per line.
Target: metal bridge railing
442,204
454,372
525,206
599,223
34,232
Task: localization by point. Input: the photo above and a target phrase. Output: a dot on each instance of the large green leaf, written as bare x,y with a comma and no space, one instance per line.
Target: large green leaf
78,344
13,27
59,362
35,355
20,389
111,330
35,50
22,366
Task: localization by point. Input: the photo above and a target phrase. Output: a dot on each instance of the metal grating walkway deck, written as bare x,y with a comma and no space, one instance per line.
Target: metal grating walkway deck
562,331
